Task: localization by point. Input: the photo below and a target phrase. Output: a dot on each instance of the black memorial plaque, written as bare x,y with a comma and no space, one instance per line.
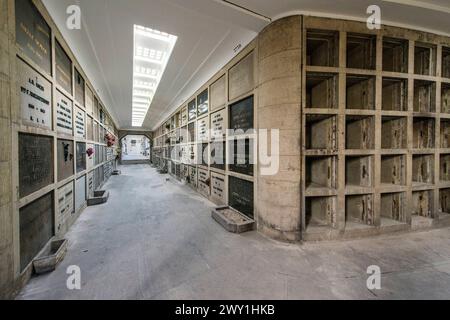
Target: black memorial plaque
79,88
33,34
240,157
240,195
192,110
191,130
241,115
37,227
81,156
202,103
218,153
35,163
63,70
65,159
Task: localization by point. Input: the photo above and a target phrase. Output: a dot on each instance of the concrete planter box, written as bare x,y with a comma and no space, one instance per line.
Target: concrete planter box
52,255
232,220
100,197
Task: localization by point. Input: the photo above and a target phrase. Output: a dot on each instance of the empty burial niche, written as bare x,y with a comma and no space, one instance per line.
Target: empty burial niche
446,62
445,133
321,90
361,51
359,210
321,172
393,170
393,207
424,96
444,172
422,203
394,132
360,92
395,94
321,132
444,201
395,55
322,48
359,132
320,211
445,98
425,59
423,132
359,171
423,170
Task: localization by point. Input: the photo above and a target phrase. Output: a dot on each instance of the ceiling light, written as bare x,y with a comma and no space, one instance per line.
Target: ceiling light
152,50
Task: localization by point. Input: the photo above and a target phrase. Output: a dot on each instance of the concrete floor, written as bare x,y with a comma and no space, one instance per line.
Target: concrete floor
155,239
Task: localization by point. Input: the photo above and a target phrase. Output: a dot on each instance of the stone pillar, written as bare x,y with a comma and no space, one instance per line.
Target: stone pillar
278,107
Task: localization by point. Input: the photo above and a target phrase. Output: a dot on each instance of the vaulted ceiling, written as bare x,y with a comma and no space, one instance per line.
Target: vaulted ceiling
208,32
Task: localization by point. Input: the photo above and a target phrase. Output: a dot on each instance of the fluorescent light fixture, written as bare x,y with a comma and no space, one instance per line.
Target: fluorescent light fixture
152,51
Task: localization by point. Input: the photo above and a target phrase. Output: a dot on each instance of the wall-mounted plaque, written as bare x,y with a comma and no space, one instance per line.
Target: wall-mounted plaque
178,171
63,113
91,158
90,128
204,154
90,184
96,108
81,156
35,163
241,77
204,182
80,193
101,115
203,129
240,195
192,110
33,34
218,125
184,172
193,176
95,130
37,227
218,188
80,120
218,94
184,134
65,204
241,159
79,88
218,155
35,97
96,154
202,103
65,159
63,70
89,101
184,116
191,130
192,154
241,115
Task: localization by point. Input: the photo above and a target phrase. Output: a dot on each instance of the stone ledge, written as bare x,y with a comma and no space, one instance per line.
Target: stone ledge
245,225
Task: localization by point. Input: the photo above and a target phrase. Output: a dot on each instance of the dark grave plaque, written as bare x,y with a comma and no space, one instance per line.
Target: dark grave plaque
33,34
79,88
35,163
80,127
37,227
240,156
240,195
202,103
81,156
63,113
172,168
192,110
191,130
241,115
218,155
63,68
178,171
35,97
65,159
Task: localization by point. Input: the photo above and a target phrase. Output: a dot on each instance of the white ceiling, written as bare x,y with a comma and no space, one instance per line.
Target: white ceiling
208,31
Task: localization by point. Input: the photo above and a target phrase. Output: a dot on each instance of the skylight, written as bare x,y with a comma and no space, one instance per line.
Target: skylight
152,50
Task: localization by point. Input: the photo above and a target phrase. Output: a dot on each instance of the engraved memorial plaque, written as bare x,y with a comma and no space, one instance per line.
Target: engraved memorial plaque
202,103
192,154
191,130
193,176
81,156
218,188
240,156
203,129
37,227
65,159
63,71
35,97
33,34
90,128
63,113
218,94
218,155
192,110
80,126
184,116
65,204
241,115
240,195
241,77
35,163
80,193
79,88
204,182
218,126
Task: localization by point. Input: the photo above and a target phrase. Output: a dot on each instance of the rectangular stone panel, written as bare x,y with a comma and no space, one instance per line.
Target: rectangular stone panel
90,184
65,159
80,123
202,103
35,163
192,110
218,124
184,116
89,101
90,159
241,77
193,176
63,113
81,156
218,188
36,222
89,128
203,129
33,34
80,193
65,204
240,156
191,130
241,115
35,97
204,182
63,72
79,88
218,155
218,94
240,195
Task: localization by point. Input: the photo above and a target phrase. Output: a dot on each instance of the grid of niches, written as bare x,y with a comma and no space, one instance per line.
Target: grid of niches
193,144
95,118
376,126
